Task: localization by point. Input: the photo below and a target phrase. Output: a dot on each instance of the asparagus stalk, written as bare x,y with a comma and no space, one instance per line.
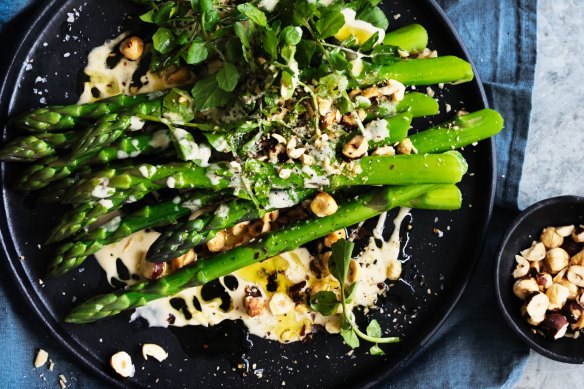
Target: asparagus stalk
110,127
40,175
376,170
421,72
412,38
459,132
69,116
444,198
73,254
33,147
359,209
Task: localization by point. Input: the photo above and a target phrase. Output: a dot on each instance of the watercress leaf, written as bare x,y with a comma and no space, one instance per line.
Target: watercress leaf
350,337
182,39
374,329
345,105
253,13
196,53
333,86
370,43
165,12
350,293
227,77
339,60
270,42
241,33
211,20
292,35
384,54
376,350
288,85
163,40
340,258
178,106
330,22
207,94
373,15
325,302
148,17
302,11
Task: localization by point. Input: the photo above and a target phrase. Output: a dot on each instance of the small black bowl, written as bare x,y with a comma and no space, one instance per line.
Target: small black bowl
527,227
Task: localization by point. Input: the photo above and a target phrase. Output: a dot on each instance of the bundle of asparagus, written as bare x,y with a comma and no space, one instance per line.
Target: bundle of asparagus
289,104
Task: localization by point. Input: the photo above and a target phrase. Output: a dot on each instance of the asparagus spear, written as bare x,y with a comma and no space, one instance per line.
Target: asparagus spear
206,270
459,132
32,147
412,38
70,116
112,126
54,168
421,72
73,254
375,170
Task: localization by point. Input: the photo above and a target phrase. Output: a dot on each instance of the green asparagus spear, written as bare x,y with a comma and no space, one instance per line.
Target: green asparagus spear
459,132
110,127
375,170
54,168
289,238
73,254
33,147
412,38
70,116
421,72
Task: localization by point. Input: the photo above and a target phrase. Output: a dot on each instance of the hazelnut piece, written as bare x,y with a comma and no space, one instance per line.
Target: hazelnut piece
556,259
554,326
522,267
578,234
558,294
550,238
154,351
121,362
536,305
544,280
132,48
524,287
572,310
575,275
535,253
323,205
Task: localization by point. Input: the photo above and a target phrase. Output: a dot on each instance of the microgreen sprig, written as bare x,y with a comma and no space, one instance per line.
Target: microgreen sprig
326,302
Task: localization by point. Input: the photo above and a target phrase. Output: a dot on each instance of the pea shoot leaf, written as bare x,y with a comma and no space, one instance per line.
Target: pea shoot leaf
197,52
292,35
373,15
340,258
384,54
253,13
207,94
163,40
228,77
376,350
177,106
370,43
330,22
349,336
374,329
325,302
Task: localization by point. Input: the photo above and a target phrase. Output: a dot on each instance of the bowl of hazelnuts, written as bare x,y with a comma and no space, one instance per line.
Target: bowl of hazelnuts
539,277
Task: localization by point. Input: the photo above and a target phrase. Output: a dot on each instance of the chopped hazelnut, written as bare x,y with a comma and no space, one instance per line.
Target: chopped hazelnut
356,147
550,238
558,294
132,48
333,237
522,267
523,287
535,253
323,205
121,362
554,325
556,259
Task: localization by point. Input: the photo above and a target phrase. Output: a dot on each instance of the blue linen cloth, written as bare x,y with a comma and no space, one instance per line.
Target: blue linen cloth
474,348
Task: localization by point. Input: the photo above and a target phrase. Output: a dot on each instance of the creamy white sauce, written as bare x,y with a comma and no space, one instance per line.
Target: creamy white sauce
375,260
376,130
130,251
279,199
280,320
115,81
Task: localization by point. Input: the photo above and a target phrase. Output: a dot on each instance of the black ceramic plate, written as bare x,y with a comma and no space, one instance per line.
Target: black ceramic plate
44,68
557,211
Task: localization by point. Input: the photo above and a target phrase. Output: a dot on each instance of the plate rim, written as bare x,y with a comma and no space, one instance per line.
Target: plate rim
18,275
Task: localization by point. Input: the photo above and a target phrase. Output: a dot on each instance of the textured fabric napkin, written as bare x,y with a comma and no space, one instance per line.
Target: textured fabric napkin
474,348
